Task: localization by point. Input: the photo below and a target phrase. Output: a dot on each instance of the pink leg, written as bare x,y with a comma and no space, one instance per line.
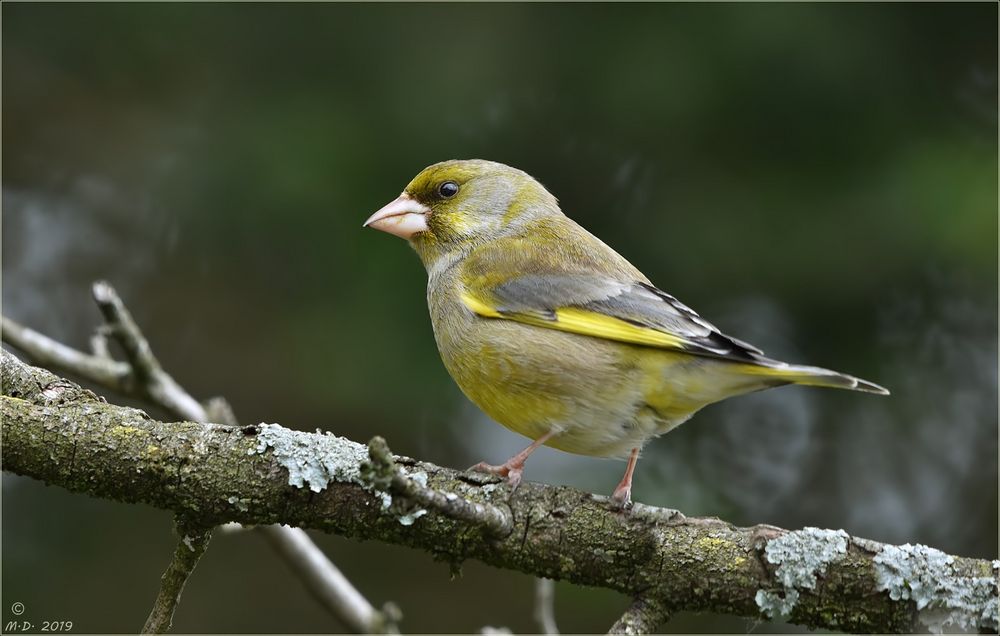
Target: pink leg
623,493
513,467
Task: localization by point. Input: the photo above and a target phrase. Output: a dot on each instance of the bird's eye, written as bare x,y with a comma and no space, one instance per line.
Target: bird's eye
448,189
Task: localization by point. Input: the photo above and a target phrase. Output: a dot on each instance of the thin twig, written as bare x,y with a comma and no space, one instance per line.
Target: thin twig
143,376
54,355
151,377
99,344
545,598
644,616
330,587
387,476
189,549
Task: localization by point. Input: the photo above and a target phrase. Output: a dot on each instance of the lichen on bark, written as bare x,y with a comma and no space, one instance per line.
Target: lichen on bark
209,474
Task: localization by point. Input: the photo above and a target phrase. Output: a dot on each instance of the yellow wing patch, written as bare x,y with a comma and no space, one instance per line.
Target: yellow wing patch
590,323
478,307
584,322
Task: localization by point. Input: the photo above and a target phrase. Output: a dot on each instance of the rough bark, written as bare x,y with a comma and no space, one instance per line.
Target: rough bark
142,376
209,474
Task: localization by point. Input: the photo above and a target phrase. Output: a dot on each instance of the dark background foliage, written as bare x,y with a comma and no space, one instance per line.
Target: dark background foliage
818,179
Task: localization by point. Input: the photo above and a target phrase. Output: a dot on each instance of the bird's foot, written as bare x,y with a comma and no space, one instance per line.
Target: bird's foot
621,498
512,471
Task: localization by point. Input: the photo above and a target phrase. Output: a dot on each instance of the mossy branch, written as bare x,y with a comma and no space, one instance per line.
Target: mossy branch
142,376
210,474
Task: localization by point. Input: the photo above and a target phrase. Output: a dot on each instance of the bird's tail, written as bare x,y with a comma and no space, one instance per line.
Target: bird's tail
783,373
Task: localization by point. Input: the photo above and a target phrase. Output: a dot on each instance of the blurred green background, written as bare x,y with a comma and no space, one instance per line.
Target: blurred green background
818,179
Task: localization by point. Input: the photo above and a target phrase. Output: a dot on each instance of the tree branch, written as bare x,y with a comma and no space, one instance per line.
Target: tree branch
144,377
150,377
328,584
382,472
210,474
545,611
192,544
46,352
642,617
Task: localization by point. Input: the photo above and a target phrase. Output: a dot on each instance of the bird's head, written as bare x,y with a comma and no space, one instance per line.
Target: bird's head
455,205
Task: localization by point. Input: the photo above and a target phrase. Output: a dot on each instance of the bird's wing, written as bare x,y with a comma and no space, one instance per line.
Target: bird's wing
601,306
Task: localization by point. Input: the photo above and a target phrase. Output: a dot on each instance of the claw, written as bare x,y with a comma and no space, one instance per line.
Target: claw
483,467
512,472
622,496
514,477
513,468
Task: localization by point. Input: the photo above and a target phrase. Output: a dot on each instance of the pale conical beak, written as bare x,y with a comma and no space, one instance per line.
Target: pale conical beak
403,217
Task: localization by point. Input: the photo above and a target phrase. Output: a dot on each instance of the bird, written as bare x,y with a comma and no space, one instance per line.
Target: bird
555,335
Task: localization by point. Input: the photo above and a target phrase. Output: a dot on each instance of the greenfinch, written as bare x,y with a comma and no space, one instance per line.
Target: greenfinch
554,334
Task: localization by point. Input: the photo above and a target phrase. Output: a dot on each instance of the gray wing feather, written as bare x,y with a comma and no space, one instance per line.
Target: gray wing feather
544,293
635,302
